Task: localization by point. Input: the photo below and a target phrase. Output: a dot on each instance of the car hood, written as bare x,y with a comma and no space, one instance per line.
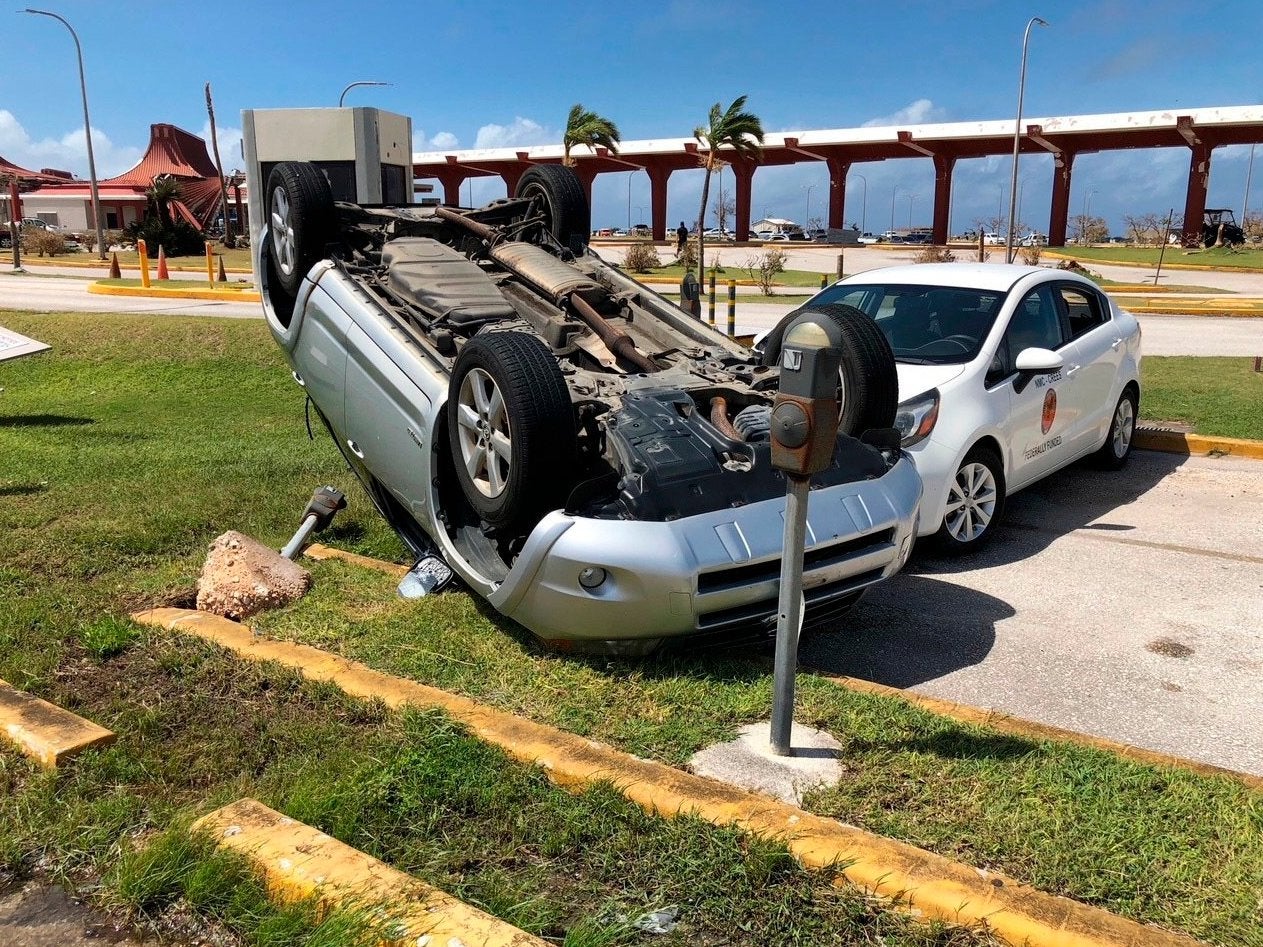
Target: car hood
917,379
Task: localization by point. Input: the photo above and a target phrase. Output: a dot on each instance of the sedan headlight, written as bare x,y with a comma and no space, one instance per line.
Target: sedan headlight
915,418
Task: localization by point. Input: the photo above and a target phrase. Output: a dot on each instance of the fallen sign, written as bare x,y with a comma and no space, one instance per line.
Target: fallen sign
15,345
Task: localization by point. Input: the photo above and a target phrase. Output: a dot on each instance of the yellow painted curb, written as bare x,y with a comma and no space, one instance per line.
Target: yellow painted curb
100,265
156,292
44,731
1176,443
298,863
322,553
918,881
995,720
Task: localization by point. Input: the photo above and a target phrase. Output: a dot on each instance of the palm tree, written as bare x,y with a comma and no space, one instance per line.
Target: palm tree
736,129
162,191
588,128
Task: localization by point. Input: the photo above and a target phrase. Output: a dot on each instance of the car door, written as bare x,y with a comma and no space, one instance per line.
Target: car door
387,421
1039,413
1092,367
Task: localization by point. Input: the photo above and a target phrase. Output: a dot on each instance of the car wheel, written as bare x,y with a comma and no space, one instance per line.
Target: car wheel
560,197
868,385
511,428
975,503
1117,447
300,220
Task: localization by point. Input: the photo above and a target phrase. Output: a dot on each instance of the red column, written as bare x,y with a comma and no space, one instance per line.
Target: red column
743,171
943,165
838,170
511,175
1059,214
1195,202
451,181
586,176
658,177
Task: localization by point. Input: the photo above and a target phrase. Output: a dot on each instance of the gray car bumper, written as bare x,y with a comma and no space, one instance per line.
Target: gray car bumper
715,573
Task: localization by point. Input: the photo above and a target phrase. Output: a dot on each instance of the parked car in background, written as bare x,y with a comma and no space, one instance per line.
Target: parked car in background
714,234
582,453
869,238
1006,374
993,239
641,230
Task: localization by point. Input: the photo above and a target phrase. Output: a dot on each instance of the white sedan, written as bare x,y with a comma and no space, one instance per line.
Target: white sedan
1006,373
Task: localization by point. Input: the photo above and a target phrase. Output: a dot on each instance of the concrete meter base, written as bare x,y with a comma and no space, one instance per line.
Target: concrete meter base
750,763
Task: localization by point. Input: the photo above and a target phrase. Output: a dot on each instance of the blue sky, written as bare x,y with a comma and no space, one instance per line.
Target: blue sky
505,73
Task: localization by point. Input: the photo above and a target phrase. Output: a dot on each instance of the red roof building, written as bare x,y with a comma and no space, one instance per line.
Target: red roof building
172,151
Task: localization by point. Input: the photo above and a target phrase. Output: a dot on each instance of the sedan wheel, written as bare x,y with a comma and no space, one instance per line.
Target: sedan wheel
1117,447
975,502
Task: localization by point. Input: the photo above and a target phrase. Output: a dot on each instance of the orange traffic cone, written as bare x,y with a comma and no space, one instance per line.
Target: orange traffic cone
223,277
162,263
115,272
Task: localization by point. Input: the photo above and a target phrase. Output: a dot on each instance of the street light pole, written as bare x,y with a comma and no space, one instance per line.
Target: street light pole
911,199
1017,136
354,84
87,132
864,210
1245,202
1087,209
893,191
807,213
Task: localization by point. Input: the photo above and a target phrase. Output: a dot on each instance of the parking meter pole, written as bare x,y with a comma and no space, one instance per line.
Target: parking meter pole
789,613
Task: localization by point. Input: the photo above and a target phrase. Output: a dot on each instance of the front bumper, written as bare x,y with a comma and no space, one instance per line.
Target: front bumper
712,574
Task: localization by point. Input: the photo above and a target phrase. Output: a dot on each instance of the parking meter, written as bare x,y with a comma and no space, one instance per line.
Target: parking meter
805,413
804,437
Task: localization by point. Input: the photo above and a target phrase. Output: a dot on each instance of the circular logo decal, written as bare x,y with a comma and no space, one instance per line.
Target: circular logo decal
1050,411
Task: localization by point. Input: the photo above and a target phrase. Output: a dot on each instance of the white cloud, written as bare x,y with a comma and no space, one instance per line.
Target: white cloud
919,112
522,131
229,146
443,141
67,153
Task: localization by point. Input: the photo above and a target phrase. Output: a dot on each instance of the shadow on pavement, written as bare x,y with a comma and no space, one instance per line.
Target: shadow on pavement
909,630
1071,499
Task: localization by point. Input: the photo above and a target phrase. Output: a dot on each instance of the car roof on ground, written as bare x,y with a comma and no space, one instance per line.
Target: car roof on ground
989,276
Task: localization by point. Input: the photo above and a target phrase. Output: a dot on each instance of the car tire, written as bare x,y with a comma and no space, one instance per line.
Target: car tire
976,494
511,428
1117,447
868,382
300,219
561,198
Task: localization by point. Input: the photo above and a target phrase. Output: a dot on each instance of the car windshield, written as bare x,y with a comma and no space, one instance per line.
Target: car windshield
925,325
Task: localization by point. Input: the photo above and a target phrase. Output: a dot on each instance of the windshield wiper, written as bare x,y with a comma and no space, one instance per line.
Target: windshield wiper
915,361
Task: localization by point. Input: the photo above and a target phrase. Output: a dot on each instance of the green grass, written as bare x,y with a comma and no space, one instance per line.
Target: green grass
1218,396
1223,257
131,445
732,270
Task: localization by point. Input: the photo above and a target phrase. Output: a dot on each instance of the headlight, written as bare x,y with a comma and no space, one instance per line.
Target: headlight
916,418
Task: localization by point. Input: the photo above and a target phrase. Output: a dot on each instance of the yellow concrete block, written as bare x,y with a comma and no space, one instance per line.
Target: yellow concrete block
320,553
298,862
918,881
44,731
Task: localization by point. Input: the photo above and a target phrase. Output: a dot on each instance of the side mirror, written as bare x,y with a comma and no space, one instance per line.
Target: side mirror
1034,361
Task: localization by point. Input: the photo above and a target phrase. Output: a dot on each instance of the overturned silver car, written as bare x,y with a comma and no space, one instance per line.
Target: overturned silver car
586,456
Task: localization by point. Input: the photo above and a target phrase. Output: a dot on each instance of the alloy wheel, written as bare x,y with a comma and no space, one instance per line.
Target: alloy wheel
971,502
486,446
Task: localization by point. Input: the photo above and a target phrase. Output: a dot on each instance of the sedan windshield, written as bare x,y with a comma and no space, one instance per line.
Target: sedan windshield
927,325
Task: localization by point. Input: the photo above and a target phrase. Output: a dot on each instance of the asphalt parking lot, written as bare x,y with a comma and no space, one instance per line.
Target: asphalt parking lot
1127,605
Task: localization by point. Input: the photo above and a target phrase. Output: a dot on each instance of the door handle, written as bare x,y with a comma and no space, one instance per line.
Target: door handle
299,378
355,449
1072,369
1116,343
